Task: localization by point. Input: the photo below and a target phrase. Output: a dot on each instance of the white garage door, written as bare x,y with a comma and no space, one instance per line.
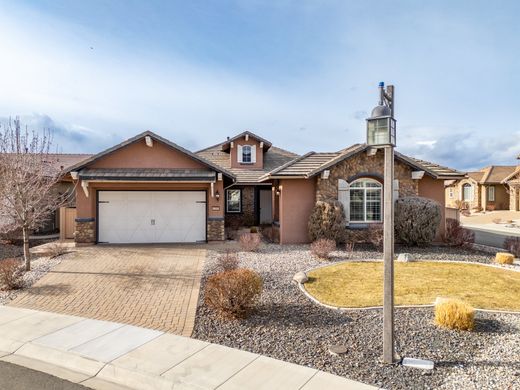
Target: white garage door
151,216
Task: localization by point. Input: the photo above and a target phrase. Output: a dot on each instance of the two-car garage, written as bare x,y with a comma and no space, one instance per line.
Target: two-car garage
151,216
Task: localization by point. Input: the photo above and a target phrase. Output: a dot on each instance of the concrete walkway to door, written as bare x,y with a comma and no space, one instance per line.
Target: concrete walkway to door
149,286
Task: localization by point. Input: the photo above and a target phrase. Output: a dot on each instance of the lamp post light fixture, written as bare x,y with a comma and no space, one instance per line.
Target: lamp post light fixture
381,134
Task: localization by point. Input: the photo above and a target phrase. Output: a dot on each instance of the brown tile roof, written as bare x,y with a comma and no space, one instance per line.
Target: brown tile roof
477,176
496,174
163,174
62,161
273,158
313,163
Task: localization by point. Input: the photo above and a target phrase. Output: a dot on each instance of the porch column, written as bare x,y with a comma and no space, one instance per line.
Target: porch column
513,198
483,198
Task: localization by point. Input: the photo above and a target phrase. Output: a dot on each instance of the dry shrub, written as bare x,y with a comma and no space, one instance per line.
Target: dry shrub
417,220
455,314
250,242
461,205
270,234
456,235
376,235
327,220
497,220
253,229
349,248
228,261
504,258
56,249
323,247
233,294
11,274
512,244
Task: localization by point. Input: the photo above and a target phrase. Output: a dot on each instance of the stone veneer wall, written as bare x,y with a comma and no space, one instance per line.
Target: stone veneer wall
363,165
85,231
216,229
247,216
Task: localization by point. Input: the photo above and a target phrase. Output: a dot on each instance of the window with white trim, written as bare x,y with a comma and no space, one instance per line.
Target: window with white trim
233,201
246,154
365,201
467,192
491,194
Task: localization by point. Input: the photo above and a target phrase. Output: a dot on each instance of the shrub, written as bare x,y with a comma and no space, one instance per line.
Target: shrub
327,220
11,274
253,229
56,249
504,258
233,294
250,242
461,205
497,220
323,247
512,244
455,314
376,235
228,261
456,235
416,220
270,234
349,248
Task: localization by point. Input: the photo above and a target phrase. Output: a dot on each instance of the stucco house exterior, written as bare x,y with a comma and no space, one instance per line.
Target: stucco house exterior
486,189
150,190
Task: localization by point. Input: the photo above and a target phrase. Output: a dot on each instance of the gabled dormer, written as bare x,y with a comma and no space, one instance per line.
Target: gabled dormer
246,150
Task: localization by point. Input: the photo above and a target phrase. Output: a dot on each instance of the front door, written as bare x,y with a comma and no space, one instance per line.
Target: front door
266,207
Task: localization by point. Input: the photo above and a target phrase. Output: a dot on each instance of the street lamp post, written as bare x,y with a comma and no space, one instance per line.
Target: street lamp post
381,134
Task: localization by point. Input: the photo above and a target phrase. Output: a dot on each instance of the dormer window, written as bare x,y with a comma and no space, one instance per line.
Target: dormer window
246,154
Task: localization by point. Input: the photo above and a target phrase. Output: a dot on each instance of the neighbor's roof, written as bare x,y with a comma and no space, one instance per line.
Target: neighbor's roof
156,137
495,174
62,161
313,163
147,174
273,158
477,176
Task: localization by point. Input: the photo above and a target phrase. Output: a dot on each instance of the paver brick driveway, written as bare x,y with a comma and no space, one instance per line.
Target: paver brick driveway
149,286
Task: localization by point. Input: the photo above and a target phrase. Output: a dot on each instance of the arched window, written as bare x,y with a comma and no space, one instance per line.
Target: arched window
246,154
365,200
467,192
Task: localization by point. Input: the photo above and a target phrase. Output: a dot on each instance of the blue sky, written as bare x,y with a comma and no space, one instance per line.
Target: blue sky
302,74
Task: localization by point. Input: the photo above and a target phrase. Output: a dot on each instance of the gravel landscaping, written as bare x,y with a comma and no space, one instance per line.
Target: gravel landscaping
289,327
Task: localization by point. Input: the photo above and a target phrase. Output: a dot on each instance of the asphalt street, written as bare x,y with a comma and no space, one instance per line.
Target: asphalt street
13,377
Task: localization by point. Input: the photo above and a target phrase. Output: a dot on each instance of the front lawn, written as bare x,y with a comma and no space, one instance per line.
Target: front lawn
360,284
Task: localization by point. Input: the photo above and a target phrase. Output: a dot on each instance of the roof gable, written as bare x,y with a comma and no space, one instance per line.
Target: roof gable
227,143
123,156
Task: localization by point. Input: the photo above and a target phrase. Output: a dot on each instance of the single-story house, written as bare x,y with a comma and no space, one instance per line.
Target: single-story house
149,190
491,188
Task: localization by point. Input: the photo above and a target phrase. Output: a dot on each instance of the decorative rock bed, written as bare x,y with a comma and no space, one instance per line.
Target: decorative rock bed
288,326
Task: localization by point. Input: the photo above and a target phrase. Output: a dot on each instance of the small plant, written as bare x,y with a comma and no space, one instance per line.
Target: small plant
497,220
504,258
327,220
56,249
250,242
233,294
270,234
376,235
417,220
456,235
349,248
228,261
323,247
512,244
11,274
455,314
253,230
461,205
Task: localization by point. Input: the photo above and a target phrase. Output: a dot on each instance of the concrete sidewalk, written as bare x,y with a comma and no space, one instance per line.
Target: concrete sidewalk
109,355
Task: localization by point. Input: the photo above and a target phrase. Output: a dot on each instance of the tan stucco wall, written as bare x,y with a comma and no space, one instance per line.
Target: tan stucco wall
259,154
138,155
501,198
297,198
434,189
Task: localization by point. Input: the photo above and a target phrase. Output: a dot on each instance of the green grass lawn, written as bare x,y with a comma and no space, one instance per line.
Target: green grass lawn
360,284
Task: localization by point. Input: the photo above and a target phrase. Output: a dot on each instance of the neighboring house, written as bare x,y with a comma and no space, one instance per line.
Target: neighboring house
148,189
482,190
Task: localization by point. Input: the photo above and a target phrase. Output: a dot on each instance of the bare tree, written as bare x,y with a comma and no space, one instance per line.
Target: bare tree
28,192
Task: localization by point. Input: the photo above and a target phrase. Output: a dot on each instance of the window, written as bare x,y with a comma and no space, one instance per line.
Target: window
246,154
233,201
467,192
491,193
450,192
365,201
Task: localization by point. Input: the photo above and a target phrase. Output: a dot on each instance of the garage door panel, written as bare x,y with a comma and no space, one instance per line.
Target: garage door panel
152,216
